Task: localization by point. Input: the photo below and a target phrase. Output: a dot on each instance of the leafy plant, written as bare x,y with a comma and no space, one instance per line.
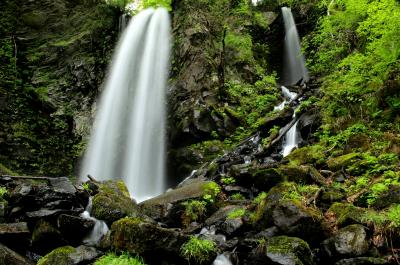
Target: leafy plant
211,190
198,250
237,196
228,180
3,191
194,210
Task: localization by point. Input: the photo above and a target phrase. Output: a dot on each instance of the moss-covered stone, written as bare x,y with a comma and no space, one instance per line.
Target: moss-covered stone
341,162
58,256
289,250
307,155
137,236
68,255
113,202
345,214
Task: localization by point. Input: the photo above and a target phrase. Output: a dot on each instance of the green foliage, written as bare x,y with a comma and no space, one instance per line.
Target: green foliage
157,3
198,250
299,192
194,210
3,191
228,180
124,259
237,196
385,219
86,186
237,213
211,191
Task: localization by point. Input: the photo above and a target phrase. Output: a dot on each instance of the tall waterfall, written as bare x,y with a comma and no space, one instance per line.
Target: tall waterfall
127,140
295,69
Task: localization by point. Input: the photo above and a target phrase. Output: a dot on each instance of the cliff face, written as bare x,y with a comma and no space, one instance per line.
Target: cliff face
54,55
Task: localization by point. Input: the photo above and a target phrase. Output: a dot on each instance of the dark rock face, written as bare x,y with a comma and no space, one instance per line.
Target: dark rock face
9,257
62,49
362,261
45,238
294,219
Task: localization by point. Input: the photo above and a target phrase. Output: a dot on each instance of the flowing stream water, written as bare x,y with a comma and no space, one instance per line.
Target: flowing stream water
128,135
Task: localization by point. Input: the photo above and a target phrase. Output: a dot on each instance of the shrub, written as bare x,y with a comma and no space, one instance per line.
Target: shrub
194,210
198,250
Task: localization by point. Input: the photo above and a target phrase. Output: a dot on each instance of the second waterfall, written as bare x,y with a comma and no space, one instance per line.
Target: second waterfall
128,136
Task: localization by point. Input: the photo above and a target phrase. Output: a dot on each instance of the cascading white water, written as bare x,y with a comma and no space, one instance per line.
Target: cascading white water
99,230
295,69
222,260
291,140
127,139
288,95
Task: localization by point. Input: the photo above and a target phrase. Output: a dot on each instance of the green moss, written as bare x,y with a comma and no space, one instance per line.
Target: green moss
58,256
294,249
237,213
194,210
341,162
124,259
313,154
201,251
346,213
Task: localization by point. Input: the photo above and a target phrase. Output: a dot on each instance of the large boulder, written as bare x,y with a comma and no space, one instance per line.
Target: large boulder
293,218
70,256
163,207
141,237
281,250
350,241
113,202
15,235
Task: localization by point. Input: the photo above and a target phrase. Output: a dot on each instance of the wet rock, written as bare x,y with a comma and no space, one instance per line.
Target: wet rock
362,261
331,196
137,236
63,185
231,225
9,257
350,241
46,238
293,218
70,256
220,216
113,202
74,228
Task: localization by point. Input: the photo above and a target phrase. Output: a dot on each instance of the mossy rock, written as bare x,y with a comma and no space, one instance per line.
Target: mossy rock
294,173
345,214
58,256
68,255
342,162
363,261
113,202
313,154
289,250
137,236
261,178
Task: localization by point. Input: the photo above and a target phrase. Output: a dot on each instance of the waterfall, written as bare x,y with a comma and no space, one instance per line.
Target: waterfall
222,260
291,140
99,230
127,139
295,69
123,21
